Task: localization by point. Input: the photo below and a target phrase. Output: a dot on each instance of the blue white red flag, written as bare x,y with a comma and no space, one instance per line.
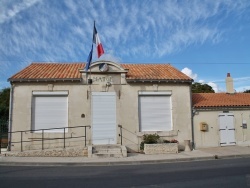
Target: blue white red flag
98,43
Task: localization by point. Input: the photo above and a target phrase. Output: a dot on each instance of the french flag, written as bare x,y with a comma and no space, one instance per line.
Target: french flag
98,43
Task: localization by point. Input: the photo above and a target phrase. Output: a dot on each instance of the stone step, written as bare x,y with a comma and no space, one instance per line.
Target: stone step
98,147
99,155
3,150
107,151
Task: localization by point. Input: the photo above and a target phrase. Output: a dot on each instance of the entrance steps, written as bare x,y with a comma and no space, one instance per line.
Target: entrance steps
3,150
117,151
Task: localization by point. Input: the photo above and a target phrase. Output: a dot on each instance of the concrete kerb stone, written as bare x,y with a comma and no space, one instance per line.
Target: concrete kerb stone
106,163
232,156
132,159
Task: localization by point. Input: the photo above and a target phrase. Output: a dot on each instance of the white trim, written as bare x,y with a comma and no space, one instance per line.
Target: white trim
50,92
155,92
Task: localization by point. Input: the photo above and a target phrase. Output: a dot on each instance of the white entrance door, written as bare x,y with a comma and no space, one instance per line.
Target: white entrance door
227,130
103,118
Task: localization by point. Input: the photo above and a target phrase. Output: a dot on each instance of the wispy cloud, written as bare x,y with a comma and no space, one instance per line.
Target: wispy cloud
60,31
235,79
8,9
45,30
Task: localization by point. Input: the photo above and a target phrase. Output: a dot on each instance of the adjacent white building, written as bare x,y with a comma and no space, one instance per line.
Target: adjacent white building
221,119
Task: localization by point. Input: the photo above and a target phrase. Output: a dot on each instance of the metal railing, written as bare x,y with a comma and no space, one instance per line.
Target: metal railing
47,131
120,126
128,137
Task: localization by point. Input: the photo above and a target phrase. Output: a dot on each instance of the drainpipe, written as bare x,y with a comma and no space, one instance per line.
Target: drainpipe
192,118
10,116
192,125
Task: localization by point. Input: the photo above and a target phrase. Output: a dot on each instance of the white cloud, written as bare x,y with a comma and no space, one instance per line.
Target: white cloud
201,81
189,73
194,76
9,10
214,86
240,84
242,88
45,30
134,26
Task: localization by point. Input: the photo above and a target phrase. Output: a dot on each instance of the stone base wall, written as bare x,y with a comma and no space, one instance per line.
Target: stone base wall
161,148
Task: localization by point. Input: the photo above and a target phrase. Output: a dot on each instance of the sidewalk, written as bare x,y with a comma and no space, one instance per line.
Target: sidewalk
132,159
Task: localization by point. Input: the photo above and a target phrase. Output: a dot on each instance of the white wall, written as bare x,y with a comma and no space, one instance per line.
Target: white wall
211,138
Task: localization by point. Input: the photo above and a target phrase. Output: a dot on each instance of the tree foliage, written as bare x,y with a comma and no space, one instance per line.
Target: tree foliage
201,88
4,104
247,91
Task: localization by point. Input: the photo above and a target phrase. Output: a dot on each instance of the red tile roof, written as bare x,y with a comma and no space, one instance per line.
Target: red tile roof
49,71
154,72
208,100
43,71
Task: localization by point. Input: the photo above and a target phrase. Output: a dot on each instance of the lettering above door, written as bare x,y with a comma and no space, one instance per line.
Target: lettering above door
102,79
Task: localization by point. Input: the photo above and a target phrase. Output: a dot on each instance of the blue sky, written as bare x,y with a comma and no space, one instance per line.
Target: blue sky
204,39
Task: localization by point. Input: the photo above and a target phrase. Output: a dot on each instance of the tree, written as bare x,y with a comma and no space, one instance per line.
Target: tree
4,104
201,88
247,91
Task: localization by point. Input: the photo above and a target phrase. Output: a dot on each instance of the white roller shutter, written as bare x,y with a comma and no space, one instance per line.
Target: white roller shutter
49,111
155,113
104,118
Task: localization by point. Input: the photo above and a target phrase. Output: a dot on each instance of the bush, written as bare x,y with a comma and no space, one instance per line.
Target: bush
149,139
170,141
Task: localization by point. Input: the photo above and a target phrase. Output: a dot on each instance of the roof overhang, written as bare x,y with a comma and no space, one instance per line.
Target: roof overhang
46,80
221,108
158,81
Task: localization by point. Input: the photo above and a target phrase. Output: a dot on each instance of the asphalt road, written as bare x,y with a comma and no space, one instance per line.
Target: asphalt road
214,173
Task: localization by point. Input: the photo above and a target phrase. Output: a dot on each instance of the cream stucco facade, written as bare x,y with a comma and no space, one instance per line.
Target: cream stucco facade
212,136
79,108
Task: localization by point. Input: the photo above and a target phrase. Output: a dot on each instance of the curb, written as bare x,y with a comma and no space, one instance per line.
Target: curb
108,163
120,163
232,156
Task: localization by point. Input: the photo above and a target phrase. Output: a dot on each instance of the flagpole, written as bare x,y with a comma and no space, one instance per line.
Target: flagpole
92,49
93,39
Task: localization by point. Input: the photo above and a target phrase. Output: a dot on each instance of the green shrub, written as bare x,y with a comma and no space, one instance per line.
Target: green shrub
149,139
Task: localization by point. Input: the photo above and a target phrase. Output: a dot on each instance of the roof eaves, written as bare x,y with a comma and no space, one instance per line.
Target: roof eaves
159,80
207,108
43,79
